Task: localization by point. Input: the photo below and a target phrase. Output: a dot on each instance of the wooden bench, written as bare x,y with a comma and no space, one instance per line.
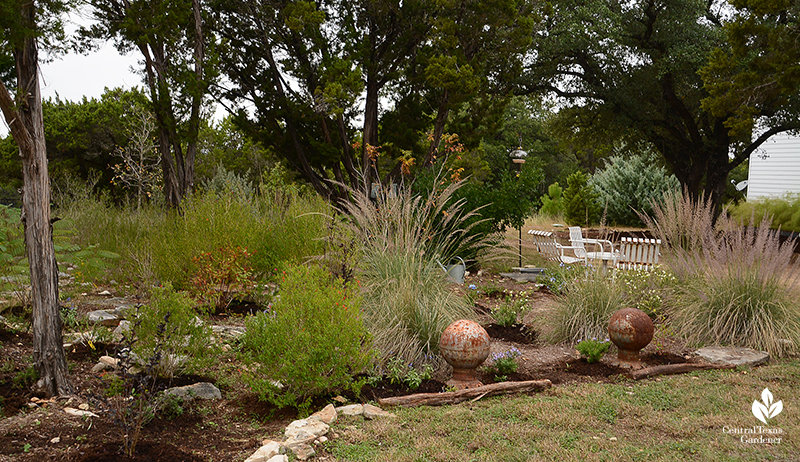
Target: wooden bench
548,247
639,253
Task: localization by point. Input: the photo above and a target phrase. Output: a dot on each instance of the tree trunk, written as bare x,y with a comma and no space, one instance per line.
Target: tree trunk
27,126
438,129
370,134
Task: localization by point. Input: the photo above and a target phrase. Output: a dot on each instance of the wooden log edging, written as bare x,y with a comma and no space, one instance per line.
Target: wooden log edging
454,397
680,368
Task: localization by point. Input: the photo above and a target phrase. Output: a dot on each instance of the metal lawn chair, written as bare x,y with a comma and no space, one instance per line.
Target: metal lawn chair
602,249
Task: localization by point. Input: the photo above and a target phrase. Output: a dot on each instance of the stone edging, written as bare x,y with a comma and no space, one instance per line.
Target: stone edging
301,435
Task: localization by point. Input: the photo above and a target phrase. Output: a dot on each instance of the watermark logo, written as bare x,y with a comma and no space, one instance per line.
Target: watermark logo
766,409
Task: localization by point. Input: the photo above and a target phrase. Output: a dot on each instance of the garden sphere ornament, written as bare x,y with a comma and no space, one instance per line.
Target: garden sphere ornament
630,330
464,344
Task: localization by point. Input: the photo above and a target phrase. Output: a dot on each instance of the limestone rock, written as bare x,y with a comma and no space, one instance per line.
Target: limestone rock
302,451
202,390
326,415
123,328
733,355
279,458
229,332
304,431
79,413
266,453
371,412
351,409
103,317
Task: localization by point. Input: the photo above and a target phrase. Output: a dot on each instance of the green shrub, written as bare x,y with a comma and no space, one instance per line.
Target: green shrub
592,349
310,344
553,201
585,307
220,275
501,365
631,184
170,329
580,201
507,313
399,372
648,291
784,211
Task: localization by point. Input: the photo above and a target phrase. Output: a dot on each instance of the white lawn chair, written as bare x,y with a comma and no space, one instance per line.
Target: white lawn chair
604,249
548,247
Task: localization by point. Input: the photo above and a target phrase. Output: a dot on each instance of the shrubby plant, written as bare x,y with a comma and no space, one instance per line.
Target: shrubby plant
310,344
553,201
169,328
648,291
507,313
220,275
580,201
629,185
785,211
399,372
501,365
592,349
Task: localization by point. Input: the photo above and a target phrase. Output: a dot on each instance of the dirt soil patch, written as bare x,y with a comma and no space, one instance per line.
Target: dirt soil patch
231,429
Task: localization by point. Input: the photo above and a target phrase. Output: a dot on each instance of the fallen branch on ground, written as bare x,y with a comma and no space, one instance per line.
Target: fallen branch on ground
454,397
680,368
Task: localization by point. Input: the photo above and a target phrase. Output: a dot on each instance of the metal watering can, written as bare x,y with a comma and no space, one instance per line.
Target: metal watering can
455,272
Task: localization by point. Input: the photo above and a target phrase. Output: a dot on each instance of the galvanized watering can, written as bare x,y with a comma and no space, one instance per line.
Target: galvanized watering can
455,272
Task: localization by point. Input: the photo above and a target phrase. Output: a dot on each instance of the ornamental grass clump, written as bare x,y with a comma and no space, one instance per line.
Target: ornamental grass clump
407,300
745,293
310,344
737,285
585,307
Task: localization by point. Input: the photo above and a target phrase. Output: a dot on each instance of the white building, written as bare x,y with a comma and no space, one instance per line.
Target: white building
775,168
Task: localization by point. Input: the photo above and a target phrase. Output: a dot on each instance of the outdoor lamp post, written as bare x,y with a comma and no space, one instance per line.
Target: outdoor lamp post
518,157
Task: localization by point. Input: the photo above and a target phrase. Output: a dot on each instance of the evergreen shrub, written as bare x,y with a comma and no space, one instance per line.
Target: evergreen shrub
310,344
630,185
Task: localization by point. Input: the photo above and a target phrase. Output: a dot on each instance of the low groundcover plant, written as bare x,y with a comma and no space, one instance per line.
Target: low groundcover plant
503,364
593,349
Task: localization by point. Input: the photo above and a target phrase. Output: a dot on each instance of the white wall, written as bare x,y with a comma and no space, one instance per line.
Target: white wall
775,167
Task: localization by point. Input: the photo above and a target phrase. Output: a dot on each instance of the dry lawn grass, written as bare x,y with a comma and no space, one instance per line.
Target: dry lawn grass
665,419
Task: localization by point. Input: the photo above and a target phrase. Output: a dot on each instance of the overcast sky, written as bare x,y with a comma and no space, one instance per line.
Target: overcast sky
74,76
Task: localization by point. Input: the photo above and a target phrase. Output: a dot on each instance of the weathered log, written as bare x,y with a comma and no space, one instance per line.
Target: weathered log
667,369
454,397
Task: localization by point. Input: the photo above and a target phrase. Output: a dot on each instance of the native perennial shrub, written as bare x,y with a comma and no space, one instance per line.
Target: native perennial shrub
170,329
312,343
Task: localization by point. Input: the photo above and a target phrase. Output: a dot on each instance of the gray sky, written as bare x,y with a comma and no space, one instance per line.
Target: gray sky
74,76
